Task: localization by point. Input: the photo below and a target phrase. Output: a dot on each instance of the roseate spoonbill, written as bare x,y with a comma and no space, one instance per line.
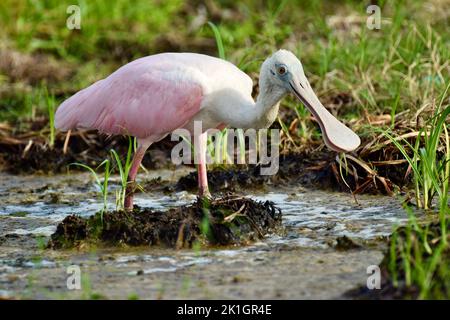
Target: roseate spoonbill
152,96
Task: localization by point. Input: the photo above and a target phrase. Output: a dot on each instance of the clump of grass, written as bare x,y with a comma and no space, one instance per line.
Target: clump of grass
430,160
50,103
103,186
418,255
219,41
418,259
124,169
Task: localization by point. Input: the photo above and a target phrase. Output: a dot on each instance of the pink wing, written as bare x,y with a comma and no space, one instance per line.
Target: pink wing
145,98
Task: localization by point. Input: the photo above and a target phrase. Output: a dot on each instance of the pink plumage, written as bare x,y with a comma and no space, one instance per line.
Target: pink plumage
146,98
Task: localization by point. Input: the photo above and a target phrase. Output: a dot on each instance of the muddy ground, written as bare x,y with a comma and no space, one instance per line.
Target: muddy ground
25,148
328,243
220,221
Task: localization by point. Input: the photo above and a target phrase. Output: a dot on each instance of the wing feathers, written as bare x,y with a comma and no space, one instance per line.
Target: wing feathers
140,99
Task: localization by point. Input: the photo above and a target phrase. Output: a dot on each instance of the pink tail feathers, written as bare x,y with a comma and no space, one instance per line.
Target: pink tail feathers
66,117
77,110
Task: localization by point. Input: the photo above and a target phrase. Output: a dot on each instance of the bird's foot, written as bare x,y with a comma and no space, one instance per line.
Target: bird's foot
205,194
205,199
128,203
132,186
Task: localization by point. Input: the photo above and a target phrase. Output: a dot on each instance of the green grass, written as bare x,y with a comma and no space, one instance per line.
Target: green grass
424,256
419,258
103,186
219,43
109,167
51,108
124,169
430,160
41,25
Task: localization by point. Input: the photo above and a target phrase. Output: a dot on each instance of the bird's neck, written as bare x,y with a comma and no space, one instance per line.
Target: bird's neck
267,104
250,114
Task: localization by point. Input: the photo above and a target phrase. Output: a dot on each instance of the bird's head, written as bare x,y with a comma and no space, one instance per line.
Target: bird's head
283,72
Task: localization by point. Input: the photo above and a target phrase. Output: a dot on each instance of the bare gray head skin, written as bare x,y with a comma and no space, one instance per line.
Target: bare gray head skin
281,74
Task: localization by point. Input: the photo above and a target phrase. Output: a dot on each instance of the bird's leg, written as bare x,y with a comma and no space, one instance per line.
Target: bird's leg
135,164
200,145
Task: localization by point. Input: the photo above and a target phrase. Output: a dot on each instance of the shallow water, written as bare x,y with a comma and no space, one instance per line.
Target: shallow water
302,263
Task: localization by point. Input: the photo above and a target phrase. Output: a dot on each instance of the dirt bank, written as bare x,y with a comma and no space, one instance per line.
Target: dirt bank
224,221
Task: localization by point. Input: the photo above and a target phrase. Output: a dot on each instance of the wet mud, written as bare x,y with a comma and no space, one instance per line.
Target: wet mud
316,170
328,240
27,149
224,221
294,169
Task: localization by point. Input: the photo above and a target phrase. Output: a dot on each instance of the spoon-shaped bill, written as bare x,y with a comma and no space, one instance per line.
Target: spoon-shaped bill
336,135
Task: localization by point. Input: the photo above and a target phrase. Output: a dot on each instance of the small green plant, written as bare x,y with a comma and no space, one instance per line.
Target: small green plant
285,129
50,103
304,129
219,149
219,41
87,292
185,286
416,257
124,169
133,296
241,142
205,224
41,242
103,186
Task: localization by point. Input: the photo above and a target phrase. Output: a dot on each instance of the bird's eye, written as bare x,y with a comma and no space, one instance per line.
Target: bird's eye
281,70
